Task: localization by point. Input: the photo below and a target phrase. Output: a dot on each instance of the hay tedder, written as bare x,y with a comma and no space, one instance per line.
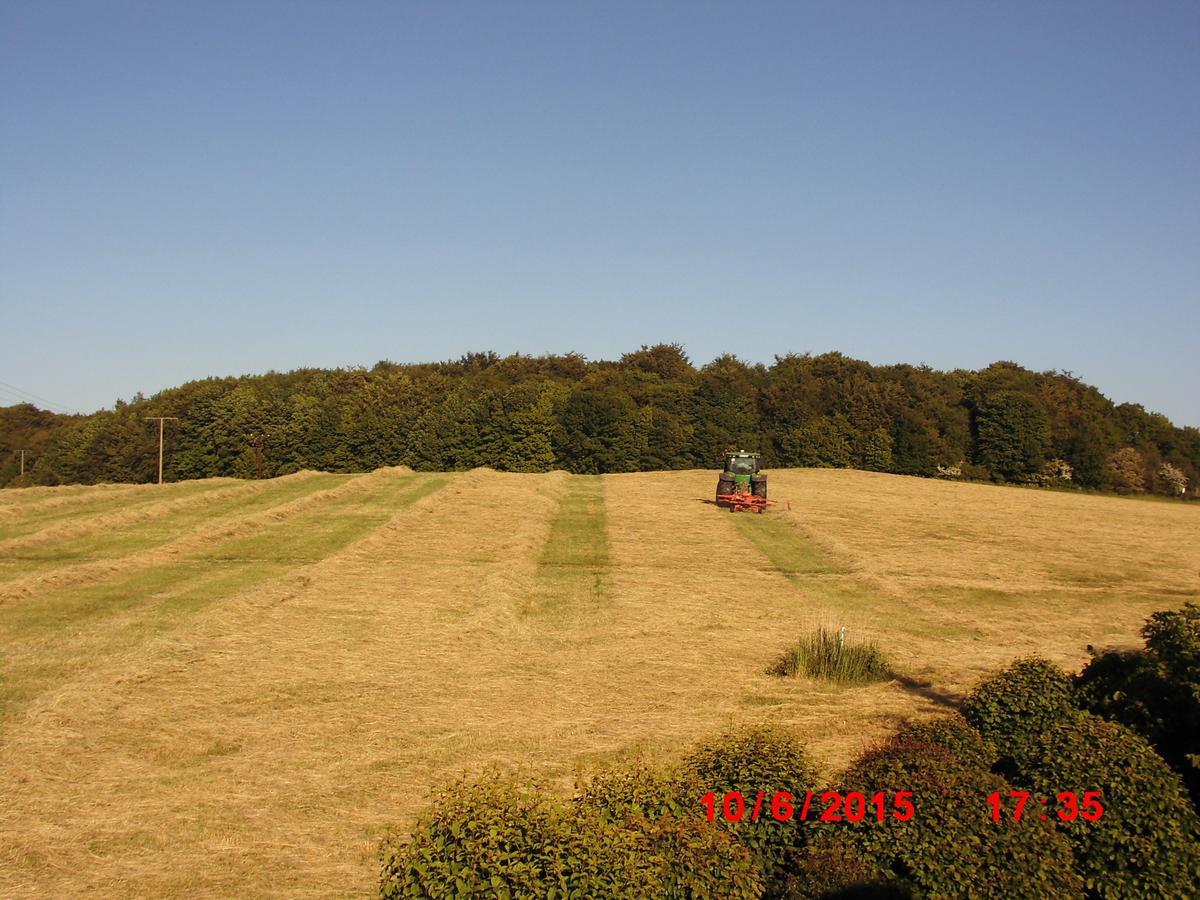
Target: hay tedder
742,485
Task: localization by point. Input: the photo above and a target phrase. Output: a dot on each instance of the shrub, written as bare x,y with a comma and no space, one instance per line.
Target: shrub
838,871
949,847
761,758
699,859
642,791
826,654
953,734
1147,843
1173,638
1013,707
1155,691
497,838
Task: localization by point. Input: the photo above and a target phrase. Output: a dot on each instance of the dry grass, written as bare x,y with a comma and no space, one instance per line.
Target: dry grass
242,709
104,552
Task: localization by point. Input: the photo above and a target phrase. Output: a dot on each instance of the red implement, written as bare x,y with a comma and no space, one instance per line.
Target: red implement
741,502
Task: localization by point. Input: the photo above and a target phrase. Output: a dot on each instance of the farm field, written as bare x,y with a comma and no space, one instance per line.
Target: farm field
232,688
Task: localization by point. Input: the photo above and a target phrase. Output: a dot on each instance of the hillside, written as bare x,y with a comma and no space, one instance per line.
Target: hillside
233,687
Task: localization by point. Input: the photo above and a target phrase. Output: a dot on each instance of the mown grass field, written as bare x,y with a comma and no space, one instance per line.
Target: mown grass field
232,688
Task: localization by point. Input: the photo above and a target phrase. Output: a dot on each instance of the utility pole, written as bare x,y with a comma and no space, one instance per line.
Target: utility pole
160,420
258,454
22,452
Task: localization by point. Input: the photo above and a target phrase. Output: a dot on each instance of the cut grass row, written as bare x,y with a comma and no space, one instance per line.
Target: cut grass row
837,594
571,576
51,637
140,536
27,520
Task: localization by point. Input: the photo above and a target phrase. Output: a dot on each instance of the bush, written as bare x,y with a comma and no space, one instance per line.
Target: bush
762,758
949,847
954,735
700,859
1147,843
1011,709
837,871
497,838
825,654
1155,691
644,792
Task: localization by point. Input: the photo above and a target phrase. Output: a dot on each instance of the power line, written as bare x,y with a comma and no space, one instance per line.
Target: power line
11,398
21,392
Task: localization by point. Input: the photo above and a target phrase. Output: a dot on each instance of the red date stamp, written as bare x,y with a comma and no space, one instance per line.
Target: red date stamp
827,806
1066,806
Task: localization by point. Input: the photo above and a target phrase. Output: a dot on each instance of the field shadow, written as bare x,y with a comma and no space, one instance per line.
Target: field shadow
926,690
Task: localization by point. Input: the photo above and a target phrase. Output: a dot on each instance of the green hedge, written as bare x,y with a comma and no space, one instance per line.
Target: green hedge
700,859
1014,707
956,736
641,792
1147,843
496,837
1155,691
950,847
836,870
762,758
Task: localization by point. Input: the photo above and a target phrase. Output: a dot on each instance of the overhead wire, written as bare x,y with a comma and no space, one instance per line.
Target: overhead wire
24,396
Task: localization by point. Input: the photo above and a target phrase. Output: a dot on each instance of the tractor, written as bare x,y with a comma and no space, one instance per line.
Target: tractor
741,484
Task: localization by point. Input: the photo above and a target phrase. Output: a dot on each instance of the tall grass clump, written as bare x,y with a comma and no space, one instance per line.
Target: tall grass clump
828,655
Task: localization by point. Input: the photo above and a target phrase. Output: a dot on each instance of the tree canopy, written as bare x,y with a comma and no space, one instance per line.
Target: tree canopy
651,409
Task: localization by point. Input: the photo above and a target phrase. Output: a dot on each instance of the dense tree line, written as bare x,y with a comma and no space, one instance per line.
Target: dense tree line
652,409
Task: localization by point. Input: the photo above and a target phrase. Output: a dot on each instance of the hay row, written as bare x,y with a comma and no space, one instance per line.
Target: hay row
29,496
210,750
136,515
192,543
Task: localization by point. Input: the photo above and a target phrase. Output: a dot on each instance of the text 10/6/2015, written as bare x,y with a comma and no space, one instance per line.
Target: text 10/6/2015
829,806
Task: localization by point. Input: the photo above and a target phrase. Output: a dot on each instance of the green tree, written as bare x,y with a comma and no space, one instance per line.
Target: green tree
603,430
1013,433
875,451
823,442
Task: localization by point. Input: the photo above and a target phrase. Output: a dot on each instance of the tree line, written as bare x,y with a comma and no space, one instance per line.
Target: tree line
651,409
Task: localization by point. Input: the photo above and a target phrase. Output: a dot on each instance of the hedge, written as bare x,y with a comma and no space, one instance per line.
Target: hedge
950,847
496,837
1012,708
1147,842
761,758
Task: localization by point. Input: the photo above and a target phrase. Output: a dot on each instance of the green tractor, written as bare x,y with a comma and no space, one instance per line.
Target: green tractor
742,484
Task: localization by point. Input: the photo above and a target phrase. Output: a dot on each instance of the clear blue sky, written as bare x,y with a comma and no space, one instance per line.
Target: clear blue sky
205,188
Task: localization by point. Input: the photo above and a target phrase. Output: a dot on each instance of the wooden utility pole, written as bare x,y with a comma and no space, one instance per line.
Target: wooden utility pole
22,452
160,420
258,454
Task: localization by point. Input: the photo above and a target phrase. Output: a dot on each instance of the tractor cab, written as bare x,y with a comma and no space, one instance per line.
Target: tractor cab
739,463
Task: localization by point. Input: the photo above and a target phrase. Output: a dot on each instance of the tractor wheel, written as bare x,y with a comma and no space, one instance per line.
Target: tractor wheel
723,487
758,487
